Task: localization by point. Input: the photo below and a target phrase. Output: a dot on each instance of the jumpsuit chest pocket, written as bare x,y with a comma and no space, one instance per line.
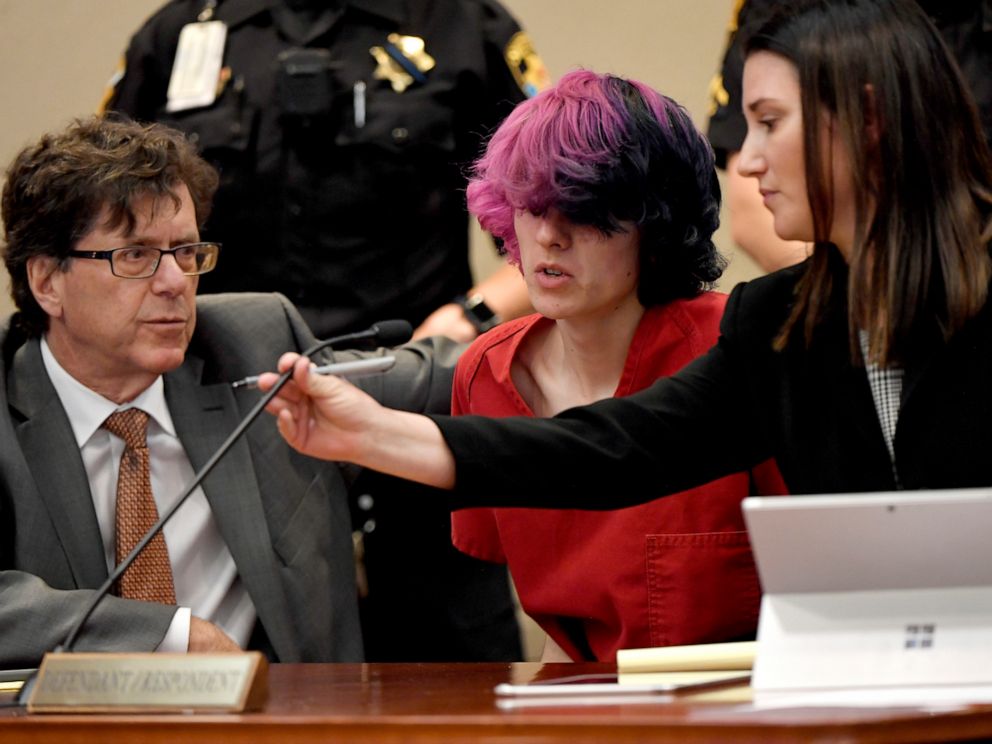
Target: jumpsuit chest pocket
704,584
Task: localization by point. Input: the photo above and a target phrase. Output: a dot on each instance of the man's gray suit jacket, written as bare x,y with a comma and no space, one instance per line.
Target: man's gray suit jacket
283,516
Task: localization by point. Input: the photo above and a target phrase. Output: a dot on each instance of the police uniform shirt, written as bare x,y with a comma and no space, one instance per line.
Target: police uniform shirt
338,190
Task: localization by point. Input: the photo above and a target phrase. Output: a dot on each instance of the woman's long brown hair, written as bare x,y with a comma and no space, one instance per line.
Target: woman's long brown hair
879,71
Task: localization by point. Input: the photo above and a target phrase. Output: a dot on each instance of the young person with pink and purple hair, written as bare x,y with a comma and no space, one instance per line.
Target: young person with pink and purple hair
604,195
864,369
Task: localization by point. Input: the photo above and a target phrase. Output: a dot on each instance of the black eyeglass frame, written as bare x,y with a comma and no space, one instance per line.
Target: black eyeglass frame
109,257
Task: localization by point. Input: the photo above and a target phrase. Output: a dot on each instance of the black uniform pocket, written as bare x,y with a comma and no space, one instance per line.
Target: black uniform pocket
222,132
401,122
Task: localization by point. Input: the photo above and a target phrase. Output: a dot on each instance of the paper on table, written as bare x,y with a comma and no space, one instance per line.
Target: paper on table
11,680
702,657
676,680
589,690
623,684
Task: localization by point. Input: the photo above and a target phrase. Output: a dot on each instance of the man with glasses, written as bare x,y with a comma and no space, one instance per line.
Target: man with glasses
140,262
116,387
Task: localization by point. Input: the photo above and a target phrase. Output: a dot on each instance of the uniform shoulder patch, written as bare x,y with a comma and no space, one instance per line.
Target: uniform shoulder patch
111,88
526,65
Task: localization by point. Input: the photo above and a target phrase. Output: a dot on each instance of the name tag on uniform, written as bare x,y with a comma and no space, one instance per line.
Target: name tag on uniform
196,69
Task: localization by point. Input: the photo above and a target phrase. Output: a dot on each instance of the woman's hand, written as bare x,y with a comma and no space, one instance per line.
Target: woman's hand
326,417
320,415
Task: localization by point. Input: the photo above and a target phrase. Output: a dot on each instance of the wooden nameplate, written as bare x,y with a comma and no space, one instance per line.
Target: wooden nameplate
150,683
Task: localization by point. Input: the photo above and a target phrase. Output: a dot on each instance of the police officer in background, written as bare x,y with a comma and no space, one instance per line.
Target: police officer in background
342,130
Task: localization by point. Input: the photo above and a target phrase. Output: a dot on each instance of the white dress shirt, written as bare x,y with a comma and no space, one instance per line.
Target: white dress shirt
206,578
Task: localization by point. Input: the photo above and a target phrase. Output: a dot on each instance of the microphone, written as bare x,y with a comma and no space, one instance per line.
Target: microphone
387,333
384,333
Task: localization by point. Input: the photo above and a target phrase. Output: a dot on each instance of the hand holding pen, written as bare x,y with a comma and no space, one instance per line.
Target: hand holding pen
358,368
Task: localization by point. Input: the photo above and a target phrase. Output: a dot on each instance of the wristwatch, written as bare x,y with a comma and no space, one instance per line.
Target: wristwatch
478,313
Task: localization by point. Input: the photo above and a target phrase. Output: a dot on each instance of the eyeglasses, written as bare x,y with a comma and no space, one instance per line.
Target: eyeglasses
140,262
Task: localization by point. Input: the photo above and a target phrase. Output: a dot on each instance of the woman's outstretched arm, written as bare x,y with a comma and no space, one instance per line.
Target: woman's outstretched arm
326,417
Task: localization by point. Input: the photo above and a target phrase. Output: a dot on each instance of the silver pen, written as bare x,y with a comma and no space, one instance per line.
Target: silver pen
358,368
358,98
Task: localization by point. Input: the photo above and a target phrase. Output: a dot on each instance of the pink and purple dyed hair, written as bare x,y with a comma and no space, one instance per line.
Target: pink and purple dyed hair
601,149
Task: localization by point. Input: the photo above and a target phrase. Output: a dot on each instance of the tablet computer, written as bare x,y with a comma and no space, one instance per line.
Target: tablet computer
873,589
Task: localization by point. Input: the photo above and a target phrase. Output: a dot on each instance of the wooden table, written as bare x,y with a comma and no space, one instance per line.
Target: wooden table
415,703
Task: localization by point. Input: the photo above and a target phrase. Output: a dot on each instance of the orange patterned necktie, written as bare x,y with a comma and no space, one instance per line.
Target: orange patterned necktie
149,578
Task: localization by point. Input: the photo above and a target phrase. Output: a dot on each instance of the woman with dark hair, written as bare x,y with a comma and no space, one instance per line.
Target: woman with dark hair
865,368
604,195
897,183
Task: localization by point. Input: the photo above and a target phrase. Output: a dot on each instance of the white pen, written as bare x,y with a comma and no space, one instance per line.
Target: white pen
358,94
358,368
